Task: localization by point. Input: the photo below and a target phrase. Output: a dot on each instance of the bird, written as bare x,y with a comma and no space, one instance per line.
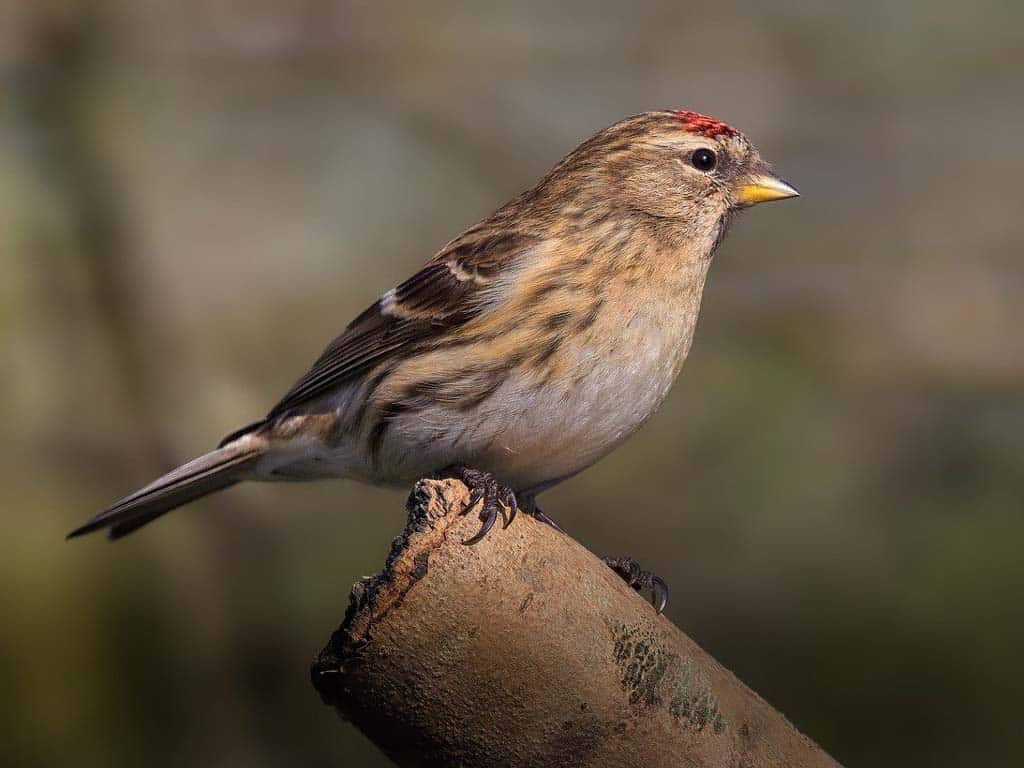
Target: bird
525,350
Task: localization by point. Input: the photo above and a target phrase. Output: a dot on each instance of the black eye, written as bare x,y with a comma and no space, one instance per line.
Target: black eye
704,160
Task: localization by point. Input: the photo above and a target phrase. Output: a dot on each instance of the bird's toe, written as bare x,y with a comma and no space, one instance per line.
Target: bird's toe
640,580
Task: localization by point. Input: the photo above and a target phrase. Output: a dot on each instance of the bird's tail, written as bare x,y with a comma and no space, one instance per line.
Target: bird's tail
209,473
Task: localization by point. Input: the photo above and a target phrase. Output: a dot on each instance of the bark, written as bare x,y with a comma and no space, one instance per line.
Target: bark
526,650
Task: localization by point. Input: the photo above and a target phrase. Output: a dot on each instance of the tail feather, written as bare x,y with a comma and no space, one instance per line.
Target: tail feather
208,473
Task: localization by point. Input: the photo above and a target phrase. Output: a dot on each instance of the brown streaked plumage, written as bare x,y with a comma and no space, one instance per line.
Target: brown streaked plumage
528,347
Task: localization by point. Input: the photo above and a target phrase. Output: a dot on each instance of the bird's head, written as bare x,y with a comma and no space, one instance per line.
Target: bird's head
685,172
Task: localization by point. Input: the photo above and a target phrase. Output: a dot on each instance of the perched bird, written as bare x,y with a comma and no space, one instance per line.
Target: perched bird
529,347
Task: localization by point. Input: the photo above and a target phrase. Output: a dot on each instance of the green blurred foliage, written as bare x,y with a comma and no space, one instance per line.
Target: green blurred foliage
195,196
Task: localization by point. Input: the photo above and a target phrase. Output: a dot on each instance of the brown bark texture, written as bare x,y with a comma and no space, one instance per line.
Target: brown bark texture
527,650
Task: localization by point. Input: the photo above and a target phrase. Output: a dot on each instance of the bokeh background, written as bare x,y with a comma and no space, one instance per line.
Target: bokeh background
195,196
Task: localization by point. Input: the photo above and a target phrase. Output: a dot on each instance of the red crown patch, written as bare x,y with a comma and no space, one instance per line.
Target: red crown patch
694,122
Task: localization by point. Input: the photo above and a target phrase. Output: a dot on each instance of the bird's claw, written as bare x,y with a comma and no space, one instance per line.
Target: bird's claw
508,498
640,580
493,498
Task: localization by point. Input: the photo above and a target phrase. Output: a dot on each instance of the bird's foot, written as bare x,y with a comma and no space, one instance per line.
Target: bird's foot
640,580
494,499
541,517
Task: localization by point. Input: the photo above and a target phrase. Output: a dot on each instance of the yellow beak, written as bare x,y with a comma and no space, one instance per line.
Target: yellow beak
764,189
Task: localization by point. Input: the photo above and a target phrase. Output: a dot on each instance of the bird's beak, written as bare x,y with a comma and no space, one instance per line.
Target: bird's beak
763,189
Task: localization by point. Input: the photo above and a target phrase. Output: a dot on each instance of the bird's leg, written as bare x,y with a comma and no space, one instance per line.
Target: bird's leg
628,568
538,515
494,498
640,580
528,503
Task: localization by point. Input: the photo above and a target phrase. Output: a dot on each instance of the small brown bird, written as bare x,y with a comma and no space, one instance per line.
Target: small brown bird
529,347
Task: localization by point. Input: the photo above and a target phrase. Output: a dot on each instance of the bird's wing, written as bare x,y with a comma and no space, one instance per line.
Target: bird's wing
462,282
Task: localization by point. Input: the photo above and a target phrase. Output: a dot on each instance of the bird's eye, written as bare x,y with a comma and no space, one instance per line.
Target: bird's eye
704,160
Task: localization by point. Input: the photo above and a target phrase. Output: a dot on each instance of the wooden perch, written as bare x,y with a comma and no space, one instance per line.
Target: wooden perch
526,650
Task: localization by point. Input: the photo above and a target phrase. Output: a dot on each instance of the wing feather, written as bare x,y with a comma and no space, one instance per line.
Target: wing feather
456,286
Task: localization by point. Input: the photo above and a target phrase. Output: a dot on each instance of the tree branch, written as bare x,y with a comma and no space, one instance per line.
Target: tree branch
526,650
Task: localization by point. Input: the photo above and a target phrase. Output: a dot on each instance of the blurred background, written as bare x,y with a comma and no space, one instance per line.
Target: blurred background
196,196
